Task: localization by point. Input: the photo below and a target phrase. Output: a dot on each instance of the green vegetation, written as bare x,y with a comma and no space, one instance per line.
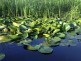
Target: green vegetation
40,33
42,8
38,25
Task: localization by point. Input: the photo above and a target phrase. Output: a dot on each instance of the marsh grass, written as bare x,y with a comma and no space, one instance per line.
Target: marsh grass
40,8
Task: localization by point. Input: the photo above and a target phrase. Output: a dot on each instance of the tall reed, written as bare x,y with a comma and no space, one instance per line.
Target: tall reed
38,8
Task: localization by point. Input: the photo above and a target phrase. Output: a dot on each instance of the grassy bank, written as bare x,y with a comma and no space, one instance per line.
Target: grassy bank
42,8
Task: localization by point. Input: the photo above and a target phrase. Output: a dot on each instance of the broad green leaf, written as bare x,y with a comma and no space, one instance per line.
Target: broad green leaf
45,49
16,24
72,42
2,26
56,31
4,39
46,35
31,24
67,27
22,28
2,56
25,41
61,35
24,35
57,39
78,37
13,36
30,47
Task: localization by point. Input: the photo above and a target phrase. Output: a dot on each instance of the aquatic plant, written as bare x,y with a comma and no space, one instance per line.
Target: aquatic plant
39,25
40,33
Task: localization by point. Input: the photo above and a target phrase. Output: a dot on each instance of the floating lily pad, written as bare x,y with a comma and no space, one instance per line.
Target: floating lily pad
25,41
37,41
69,41
61,35
4,39
45,49
2,56
57,39
67,27
46,35
78,37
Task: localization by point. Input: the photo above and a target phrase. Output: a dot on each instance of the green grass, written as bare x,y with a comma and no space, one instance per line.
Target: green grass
42,8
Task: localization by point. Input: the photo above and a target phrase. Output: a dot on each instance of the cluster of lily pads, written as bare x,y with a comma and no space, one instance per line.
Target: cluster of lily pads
40,34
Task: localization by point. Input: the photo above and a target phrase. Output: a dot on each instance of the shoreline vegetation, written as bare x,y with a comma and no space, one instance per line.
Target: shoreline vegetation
39,25
40,9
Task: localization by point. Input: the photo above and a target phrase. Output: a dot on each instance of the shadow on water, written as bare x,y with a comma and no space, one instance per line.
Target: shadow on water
60,53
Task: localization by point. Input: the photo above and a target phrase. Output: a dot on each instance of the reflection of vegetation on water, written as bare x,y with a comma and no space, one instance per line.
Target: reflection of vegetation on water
38,25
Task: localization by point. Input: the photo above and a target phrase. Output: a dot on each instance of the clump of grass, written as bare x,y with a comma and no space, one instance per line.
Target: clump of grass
36,8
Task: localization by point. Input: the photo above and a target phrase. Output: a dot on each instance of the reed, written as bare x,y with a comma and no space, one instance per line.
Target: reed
38,8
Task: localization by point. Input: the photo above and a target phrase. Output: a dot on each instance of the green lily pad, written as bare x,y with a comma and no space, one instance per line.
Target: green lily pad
78,37
45,49
3,26
4,39
55,31
67,27
2,56
22,28
56,39
61,35
34,47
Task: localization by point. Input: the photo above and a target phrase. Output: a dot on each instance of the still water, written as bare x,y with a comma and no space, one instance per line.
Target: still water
18,53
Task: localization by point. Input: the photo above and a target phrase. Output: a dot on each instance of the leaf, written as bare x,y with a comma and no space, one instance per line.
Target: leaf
30,47
25,35
64,42
31,24
56,31
78,37
72,42
2,56
5,30
38,29
4,39
34,47
56,39
16,24
61,35
13,36
78,30
37,41
67,27
25,41
46,35
69,41
45,49
22,28
2,26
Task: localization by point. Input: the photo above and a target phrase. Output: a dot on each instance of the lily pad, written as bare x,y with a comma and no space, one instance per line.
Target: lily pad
37,41
2,56
45,49
67,27
57,39
61,35
4,39
78,37
69,41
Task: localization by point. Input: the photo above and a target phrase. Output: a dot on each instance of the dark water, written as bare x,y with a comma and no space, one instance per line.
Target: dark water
18,53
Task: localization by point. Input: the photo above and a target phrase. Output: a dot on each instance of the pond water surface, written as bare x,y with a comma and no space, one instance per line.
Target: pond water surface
14,52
